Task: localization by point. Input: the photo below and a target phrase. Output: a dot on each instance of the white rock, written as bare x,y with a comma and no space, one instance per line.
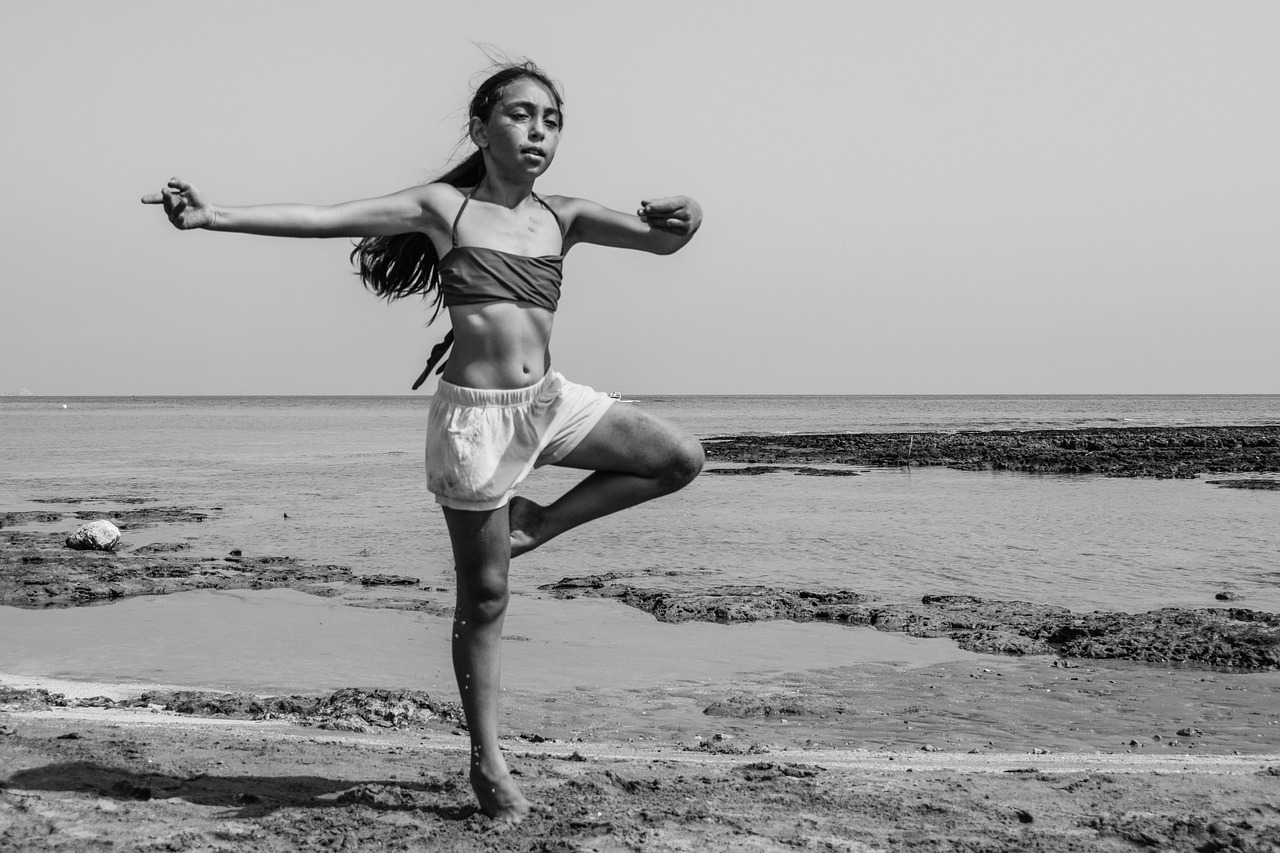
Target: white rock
100,535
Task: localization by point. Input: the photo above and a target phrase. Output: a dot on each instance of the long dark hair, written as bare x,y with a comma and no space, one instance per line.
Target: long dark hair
406,264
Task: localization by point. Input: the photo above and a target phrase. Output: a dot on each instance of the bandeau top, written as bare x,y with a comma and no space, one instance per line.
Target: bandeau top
473,275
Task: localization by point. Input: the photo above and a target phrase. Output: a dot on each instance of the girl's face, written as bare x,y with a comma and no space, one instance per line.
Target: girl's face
523,130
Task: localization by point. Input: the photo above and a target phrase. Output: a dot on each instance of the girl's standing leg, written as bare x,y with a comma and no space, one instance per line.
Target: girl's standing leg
635,457
481,553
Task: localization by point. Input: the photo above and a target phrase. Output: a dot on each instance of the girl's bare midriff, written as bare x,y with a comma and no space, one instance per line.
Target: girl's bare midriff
499,345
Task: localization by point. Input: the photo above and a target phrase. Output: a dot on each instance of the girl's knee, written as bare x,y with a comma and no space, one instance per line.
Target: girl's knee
483,590
483,602
685,462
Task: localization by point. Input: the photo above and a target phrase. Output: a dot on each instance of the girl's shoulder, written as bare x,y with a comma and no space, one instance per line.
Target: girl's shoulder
566,207
441,193
559,200
442,201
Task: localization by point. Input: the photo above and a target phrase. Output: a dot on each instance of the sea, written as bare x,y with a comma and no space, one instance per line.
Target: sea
339,480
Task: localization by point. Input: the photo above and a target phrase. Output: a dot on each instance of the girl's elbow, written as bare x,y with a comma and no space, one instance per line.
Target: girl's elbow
673,245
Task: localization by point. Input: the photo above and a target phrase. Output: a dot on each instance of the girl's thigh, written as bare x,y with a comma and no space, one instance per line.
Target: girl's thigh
630,440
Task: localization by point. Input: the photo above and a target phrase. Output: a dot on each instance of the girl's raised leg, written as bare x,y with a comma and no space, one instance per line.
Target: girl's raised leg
481,553
635,456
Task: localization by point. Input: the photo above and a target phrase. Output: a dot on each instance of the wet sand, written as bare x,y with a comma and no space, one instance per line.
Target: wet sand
937,758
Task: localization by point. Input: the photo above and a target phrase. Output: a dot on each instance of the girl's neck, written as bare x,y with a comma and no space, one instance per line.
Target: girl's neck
496,190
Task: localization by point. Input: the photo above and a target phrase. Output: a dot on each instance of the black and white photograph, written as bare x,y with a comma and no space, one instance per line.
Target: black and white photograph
906,476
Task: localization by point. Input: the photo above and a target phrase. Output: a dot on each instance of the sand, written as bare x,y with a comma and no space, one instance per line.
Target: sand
957,756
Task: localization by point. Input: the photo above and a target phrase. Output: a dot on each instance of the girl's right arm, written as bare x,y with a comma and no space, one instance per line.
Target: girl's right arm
415,209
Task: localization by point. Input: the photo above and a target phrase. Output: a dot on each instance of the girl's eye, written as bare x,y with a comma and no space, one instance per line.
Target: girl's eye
520,116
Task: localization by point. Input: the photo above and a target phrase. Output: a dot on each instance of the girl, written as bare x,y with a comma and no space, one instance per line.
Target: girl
489,249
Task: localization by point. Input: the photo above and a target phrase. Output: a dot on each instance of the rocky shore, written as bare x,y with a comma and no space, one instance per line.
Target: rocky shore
38,570
1115,452
350,709
1225,637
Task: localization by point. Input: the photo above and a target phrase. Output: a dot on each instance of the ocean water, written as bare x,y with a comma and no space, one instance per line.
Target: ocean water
347,471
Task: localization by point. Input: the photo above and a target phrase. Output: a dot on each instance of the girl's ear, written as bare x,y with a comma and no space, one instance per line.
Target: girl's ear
479,132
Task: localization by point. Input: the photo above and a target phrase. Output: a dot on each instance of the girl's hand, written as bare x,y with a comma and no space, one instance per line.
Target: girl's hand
183,204
677,214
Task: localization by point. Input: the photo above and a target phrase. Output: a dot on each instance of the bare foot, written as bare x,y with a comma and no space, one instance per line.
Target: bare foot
499,797
525,520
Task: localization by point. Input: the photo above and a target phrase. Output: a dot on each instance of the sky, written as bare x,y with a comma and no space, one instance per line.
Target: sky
900,197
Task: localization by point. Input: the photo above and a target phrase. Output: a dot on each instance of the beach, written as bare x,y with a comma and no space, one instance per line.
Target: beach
180,694
1115,774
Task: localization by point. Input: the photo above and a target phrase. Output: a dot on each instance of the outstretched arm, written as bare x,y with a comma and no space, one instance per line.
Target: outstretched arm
414,209
661,226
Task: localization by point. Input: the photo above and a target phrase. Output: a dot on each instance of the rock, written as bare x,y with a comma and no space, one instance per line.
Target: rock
349,709
394,709
1114,451
132,519
1227,596
745,706
1228,637
388,580
1261,485
997,641
38,570
162,548
350,723
802,470
1234,637
377,796
203,703
100,535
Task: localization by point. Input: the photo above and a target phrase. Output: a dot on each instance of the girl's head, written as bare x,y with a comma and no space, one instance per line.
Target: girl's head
515,120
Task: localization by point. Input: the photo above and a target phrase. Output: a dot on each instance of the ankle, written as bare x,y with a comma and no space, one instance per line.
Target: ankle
488,762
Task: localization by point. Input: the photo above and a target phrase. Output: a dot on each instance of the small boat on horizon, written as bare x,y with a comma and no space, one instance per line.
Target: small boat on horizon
617,395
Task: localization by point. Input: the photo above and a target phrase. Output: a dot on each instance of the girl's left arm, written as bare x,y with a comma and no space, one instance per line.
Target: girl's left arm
660,226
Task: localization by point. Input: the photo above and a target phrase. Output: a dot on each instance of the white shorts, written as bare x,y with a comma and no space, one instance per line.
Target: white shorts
482,443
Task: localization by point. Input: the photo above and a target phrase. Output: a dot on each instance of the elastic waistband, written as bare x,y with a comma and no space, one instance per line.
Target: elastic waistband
464,396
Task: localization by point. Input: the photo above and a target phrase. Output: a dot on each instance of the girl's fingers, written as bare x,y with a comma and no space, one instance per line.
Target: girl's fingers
654,218
153,198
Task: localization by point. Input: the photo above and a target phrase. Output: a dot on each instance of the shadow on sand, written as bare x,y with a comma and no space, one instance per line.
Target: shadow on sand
252,796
